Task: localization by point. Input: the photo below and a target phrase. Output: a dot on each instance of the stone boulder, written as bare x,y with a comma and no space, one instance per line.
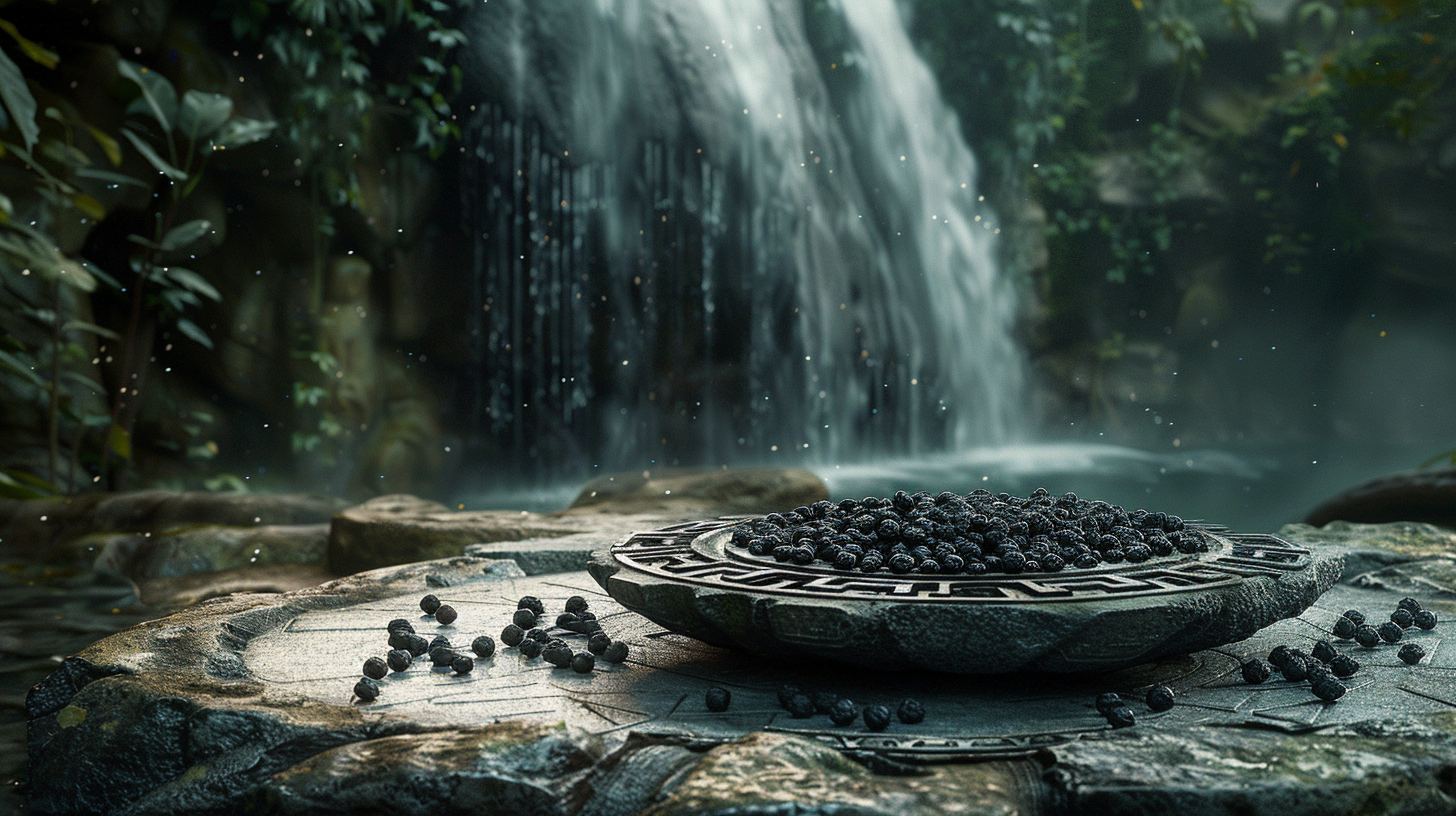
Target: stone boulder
686,492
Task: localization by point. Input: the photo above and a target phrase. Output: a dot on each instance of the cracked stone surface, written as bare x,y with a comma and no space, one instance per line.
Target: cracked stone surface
244,703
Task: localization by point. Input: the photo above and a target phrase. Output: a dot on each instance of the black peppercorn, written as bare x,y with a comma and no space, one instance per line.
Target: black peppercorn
566,619
1411,653
530,649
583,662
524,618
616,652
429,604
1278,655
558,656
843,712
439,640
1403,618
576,604
400,639
1344,628
1121,717
1367,636
512,635
400,624
910,711
417,645
399,660
1344,666
446,614
1390,632
1108,701
1295,668
541,636
1425,619
1324,651
462,664
800,706
532,603
1356,616
1328,689
598,643
1255,671
802,555
1410,605
876,717
823,700
375,668
586,616
366,689
483,646
717,698
442,655
1160,698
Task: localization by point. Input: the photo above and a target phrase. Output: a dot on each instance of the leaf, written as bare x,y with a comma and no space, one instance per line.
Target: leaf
82,380
151,155
118,440
193,281
11,488
202,114
108,145
146,242
18,100
89,205
195,332
240,131
184,235
17,365
35,51
158,97
99,331
180,299
110,177
7,208
73,274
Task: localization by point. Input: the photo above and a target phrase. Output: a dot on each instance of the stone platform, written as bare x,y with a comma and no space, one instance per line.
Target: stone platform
245,703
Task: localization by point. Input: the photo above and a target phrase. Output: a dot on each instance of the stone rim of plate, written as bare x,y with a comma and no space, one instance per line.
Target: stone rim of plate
691,580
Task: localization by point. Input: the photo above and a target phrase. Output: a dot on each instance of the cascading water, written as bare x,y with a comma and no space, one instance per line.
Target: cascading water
688,251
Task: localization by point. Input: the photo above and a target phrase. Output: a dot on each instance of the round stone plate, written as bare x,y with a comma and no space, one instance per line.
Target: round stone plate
691,579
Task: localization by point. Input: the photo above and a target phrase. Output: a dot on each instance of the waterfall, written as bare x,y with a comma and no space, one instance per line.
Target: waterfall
688,251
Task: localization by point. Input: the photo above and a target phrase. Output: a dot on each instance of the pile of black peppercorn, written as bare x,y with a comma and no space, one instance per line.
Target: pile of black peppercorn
974,534
1408,615
803,704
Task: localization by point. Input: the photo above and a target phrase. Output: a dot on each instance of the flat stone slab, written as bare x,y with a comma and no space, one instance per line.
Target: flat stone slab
245,702
691,579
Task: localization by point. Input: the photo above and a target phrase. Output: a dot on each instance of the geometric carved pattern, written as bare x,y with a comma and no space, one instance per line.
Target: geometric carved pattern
701,553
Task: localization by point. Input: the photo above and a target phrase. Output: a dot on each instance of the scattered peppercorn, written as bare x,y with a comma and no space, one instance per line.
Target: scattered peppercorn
1121,717
616,652
1295,668
524,618
1356,616
1411,653
1425,619
583,662
1390,632
557,655
910,711
876,717
462,664
541,636
366,689
786,692
576,604
483,646
1255,671
1344,666
1367,636
399,659
400,639
1329,689
598,643
586,616
566,619
439,640
530,649
446,614
1344,628
1108,701
823,700
375,668
800,706
843,712
1324,651
512,635
442,655
1410,605
1403,618
429,604
532,603
717,698
1279,655
400,624
1160,698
